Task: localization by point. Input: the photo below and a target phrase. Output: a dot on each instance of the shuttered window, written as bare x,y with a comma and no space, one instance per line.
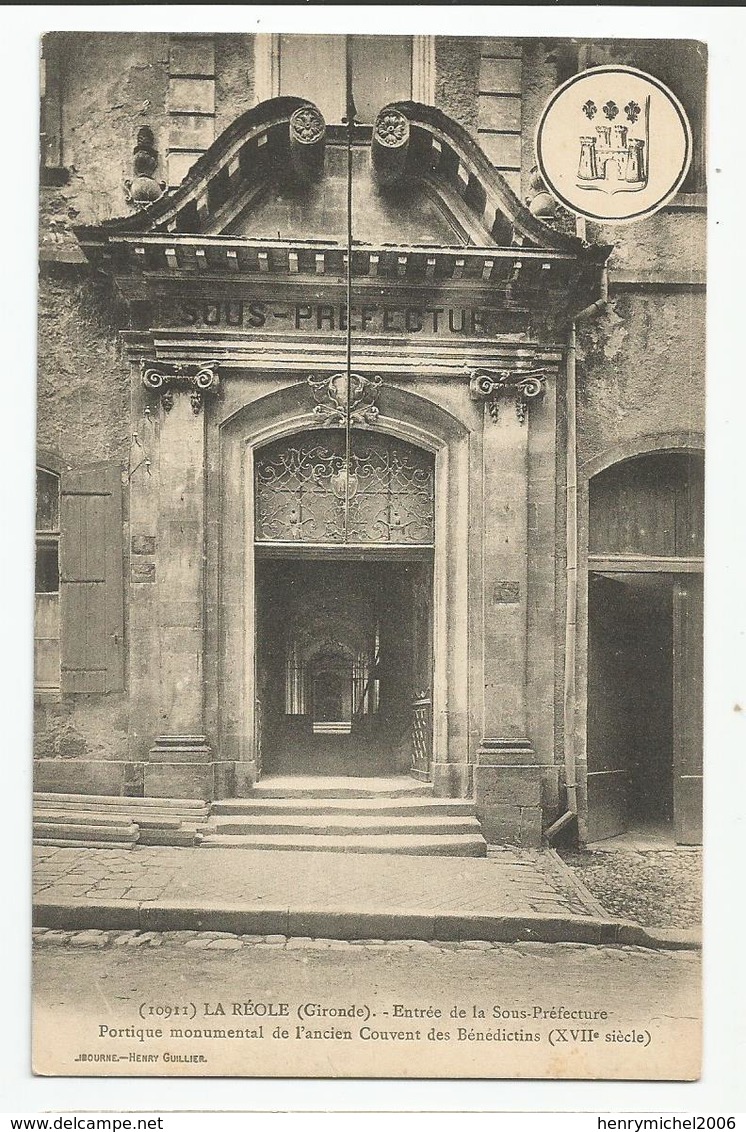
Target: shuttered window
91,583
47,583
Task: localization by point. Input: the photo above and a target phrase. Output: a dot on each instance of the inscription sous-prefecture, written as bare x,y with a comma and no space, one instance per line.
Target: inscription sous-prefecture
270,316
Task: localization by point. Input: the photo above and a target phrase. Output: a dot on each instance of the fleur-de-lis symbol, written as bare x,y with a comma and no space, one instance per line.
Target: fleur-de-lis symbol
589,108
632,110
611,110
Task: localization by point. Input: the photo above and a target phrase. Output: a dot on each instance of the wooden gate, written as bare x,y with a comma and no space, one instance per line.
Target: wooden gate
422,737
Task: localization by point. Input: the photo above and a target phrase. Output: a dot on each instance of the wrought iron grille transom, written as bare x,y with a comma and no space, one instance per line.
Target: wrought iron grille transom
300,491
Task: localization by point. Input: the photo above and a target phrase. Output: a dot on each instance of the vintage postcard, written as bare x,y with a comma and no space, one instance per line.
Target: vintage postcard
369,556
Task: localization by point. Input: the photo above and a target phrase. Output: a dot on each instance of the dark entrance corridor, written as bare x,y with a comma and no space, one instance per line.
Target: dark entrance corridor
344,650
644,704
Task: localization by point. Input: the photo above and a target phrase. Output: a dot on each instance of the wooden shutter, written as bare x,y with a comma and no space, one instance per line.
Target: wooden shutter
91,582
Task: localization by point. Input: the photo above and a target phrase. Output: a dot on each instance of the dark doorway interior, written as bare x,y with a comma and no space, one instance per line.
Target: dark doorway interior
343,651
645,631
630,704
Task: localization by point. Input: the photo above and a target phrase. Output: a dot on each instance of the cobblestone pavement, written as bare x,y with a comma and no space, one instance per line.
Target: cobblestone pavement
96,939
659,887
513,882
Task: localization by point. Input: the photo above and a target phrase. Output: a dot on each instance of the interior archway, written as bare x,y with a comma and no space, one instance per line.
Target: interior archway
344,555
237,708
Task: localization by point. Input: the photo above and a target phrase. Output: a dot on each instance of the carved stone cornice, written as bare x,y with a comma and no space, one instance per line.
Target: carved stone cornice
487,385
167,378
333,401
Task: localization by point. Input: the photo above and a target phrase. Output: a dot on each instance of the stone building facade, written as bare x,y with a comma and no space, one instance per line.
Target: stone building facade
461,537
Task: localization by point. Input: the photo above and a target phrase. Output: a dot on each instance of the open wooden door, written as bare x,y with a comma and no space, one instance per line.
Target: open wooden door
688,657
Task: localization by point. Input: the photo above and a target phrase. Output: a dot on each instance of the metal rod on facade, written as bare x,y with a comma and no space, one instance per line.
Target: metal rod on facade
350,111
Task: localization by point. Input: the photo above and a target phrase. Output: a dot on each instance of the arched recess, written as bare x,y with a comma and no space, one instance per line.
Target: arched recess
406,416
640,638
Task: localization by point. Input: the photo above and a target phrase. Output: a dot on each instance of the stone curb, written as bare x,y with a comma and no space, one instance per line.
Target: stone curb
573,881
248,919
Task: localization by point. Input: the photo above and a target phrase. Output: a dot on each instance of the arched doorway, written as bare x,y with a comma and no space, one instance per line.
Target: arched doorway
343,585
645,632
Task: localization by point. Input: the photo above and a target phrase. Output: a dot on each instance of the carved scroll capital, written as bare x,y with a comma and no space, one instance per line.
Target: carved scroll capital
488,385
167,378
333,399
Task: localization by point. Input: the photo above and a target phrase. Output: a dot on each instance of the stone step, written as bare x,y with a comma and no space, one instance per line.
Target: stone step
342,824
83,817
174,807
80,818
86,833
75,819
83,843
323,786
453,845
420,805
187,837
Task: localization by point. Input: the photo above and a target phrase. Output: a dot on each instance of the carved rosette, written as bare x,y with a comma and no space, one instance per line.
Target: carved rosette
391,128
307,142
488,385
165,379
390,145
307,125
333,399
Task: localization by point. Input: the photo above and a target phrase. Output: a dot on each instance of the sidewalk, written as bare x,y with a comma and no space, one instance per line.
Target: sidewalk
508,896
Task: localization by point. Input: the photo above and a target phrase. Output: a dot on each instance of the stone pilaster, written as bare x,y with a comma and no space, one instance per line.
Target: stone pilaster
180,762
507,781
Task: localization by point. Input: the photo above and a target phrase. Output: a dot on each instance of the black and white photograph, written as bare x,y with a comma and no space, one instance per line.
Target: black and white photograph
368,626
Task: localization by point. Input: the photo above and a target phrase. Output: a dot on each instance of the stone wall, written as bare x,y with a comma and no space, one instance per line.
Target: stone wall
82,379
640,371
457,78
81,742
112,83
640,364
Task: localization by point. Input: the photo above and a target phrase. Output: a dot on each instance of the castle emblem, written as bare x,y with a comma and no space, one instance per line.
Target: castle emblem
613,144
614,157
